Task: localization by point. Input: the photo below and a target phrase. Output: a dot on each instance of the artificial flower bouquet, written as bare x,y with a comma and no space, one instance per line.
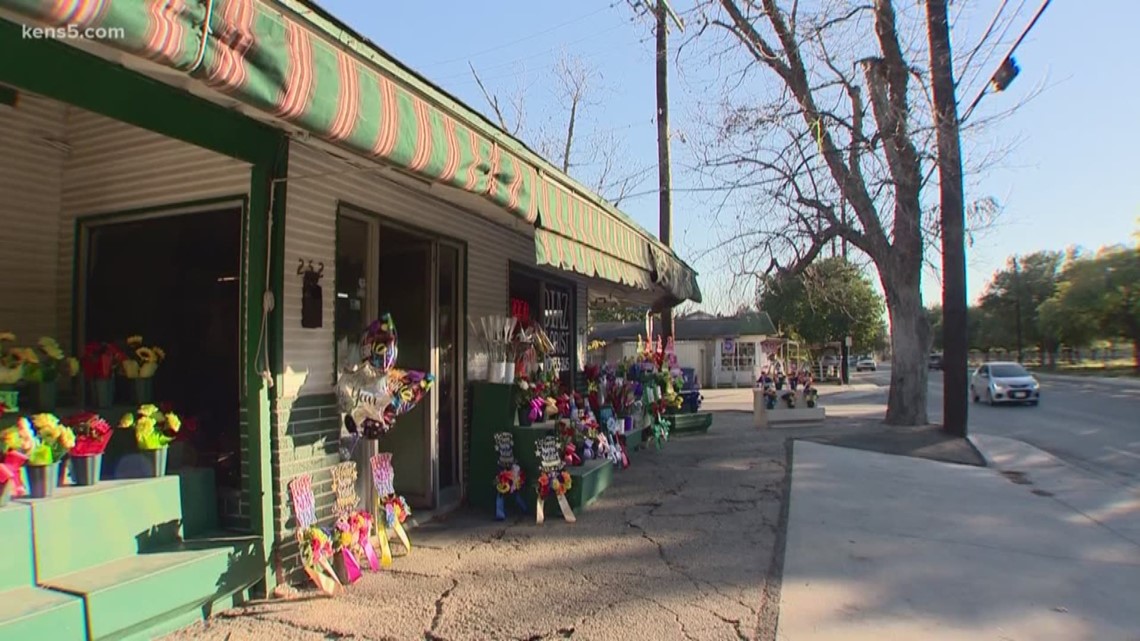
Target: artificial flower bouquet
16,444
154,429
92,434
811,394
139,360
11,360
100,360
352,545
46,363
51,438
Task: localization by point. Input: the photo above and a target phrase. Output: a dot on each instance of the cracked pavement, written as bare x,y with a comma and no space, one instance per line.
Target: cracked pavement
683,545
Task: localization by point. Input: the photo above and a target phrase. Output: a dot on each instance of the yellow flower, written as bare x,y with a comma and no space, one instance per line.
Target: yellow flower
26,354
173,422
67,438
128,420
51,348
134,341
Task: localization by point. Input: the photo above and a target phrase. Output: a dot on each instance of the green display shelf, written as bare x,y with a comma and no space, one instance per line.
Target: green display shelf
492,410
683,424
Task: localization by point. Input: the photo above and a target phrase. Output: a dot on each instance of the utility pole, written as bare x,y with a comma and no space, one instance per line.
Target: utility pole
664,13
955,341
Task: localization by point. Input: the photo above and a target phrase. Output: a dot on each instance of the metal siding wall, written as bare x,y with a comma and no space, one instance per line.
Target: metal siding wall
31,174
115,167
315,187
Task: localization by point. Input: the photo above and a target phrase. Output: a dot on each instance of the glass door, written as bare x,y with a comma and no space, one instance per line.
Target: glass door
448,315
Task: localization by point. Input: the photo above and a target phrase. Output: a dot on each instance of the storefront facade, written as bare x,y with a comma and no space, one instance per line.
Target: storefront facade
327,214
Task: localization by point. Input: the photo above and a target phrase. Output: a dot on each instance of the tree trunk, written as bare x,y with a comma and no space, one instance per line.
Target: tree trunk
910,342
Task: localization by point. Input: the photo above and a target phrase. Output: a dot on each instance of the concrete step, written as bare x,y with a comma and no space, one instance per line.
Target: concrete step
34,613
133,596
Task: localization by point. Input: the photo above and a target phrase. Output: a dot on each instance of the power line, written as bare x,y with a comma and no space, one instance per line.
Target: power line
526,38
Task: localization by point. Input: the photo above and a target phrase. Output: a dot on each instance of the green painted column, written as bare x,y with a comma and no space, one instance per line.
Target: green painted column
263,341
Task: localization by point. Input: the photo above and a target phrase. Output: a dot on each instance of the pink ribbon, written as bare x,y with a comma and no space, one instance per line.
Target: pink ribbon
10,472
351,567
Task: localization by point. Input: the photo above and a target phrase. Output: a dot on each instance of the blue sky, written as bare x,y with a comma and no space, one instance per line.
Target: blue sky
1070,179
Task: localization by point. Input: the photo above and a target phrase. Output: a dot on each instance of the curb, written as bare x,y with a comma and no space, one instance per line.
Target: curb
986,458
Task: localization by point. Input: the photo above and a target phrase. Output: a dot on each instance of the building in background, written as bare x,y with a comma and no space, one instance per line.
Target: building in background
724,351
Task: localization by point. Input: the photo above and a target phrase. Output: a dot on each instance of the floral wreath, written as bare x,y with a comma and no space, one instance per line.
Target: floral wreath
556,483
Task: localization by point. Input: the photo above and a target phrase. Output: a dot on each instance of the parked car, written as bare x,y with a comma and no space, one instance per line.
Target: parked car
1004,382
935,361
866,365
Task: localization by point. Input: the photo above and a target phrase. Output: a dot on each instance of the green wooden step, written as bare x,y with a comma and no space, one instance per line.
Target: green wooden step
114,519
17,562
696,423
134,596
34,613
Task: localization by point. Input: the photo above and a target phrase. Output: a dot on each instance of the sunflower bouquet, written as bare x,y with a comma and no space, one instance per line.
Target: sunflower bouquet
46,362
154,429
141,361
11,360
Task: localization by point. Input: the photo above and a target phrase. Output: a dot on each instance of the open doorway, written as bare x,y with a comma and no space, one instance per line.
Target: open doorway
174,280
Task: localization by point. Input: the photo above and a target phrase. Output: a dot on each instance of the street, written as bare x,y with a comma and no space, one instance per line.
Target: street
1091,423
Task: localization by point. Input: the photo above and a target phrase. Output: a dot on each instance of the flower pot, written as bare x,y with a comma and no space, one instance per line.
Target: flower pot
42,480
102,393
47,395
86,470
524,416
144,390
157,461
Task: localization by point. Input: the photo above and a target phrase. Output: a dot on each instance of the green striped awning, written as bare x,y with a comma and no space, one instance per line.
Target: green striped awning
289,60
561,252
596,240
279,64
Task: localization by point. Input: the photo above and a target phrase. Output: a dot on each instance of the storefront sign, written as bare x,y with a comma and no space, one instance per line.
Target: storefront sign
557,322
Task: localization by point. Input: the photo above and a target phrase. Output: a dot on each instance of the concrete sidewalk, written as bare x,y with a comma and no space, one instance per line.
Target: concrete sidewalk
890,547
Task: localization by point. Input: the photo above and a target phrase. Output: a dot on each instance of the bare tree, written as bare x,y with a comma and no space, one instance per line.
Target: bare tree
597,158
838,148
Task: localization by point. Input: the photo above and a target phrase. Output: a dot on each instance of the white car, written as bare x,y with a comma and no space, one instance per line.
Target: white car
1004,382
866,365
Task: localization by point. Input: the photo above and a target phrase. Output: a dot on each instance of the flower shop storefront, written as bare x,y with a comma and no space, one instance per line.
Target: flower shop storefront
127,352
226,245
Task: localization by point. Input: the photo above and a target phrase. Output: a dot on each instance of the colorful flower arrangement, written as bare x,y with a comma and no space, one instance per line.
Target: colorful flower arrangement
811,394
509,481
770,397
100,360
51,439
154,429
140,361
46,362
92,434
553,483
